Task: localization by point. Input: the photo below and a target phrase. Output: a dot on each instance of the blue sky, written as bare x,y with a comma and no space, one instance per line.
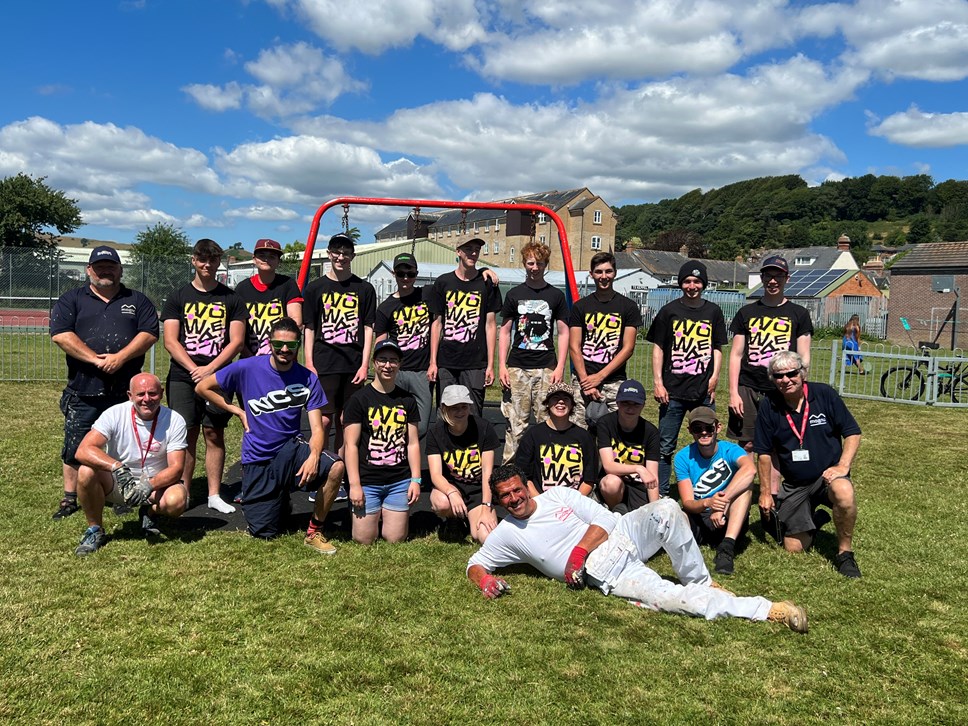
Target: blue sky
236,119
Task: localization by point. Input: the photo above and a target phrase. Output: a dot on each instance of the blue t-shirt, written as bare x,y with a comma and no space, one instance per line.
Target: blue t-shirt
708,476
273,402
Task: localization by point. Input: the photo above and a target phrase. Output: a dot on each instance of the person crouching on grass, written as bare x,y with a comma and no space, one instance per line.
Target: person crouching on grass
460,456
382,451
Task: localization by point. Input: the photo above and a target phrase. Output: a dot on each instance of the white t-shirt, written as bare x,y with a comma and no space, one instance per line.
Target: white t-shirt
124,445
546,538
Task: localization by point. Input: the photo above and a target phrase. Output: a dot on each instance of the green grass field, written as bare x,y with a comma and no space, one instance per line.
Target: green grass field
218,628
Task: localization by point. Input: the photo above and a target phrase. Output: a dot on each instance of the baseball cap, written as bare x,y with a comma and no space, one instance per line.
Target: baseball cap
405,258
387,345
341,240
775,261
452,395
104,254
703,414
476,241
555,388
630,390
268,244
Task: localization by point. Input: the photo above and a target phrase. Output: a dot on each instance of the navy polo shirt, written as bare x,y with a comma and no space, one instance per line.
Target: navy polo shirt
830,422
105,327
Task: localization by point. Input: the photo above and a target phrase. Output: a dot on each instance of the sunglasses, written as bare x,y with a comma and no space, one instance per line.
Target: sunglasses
260,255
779,376
405,275
702,429
344,254
281,345
772,275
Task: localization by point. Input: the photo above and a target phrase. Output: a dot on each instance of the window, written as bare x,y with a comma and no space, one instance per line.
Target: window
598,216
596,242
477,227
487,225
497,224
484,248
511,254
448,231
542,217
804,261
497,246
542,239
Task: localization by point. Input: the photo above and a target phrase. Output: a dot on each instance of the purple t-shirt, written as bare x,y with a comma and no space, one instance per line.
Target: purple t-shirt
273,402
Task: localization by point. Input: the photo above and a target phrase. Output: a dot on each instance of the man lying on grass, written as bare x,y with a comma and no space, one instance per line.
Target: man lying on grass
569,537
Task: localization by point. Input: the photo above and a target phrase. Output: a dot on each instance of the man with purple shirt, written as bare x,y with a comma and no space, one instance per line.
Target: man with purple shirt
275,457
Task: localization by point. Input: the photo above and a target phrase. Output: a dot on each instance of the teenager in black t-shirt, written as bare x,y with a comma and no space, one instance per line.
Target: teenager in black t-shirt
268,297
629,449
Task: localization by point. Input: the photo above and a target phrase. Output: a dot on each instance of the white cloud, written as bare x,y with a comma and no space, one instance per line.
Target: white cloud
926,40
127,219
216,98
295,79
922,130
200,221
262,213
376,25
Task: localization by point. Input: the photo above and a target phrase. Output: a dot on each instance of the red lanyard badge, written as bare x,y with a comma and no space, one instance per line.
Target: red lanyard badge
151,437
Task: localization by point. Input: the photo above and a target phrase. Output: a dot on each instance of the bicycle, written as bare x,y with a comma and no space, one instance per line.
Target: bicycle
909,383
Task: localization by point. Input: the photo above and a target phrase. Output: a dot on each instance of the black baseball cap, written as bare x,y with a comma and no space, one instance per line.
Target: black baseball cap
405,259
104,254
631,390
776,262
387,345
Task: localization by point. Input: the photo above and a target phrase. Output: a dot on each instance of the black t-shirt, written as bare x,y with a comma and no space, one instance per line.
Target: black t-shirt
767,330
461,455
204,319
602,326
265,305
829,421
407,321
688,336
105,327
557,458
633,447
535,314
383,419
338,312
463,307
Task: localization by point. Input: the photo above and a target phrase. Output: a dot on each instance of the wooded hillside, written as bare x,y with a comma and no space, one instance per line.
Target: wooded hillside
783,211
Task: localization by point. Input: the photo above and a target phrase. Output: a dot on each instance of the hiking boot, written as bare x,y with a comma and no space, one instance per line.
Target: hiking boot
318,542
723,564
847,565
67,507
793,616
148,524
92,541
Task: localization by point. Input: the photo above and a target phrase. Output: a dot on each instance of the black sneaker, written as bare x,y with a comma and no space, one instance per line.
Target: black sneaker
67,507
847,565
723,564
148,524
91,542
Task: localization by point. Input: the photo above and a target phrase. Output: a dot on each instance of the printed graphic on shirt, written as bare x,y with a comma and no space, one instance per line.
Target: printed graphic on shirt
261,317
768,336
603,334
692,346
293,396
713,479
205,328
413,326
560,465
388,435
534,325
463,317
625,454
464,464
339,321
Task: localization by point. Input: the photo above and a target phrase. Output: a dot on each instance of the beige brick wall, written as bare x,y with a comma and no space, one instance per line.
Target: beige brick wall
911,297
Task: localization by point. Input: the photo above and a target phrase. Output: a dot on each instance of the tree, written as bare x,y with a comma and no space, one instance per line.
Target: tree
161,256
28,207
920,231
681,240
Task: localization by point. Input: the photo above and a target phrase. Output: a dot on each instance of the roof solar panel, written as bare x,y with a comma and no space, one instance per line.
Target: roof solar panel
805,283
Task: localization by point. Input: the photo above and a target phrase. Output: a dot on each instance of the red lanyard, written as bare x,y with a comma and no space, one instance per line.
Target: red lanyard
806,415
151,436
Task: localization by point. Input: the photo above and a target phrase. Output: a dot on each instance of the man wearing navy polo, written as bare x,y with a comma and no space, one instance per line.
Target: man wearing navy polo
104,329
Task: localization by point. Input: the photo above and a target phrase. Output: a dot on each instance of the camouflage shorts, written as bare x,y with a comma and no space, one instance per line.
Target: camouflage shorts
528,388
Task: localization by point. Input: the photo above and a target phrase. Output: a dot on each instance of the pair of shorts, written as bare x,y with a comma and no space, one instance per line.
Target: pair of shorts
392,497
795,506
80,413
193,408
473,494
744,428
634,494
339,388
266,486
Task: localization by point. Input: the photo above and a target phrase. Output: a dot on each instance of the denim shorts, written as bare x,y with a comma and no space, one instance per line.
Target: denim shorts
392,497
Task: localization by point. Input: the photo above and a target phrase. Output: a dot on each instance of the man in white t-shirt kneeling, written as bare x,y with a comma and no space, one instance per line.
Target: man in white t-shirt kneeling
133,455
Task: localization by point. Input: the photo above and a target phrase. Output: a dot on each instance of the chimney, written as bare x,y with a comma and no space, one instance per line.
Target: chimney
843,243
